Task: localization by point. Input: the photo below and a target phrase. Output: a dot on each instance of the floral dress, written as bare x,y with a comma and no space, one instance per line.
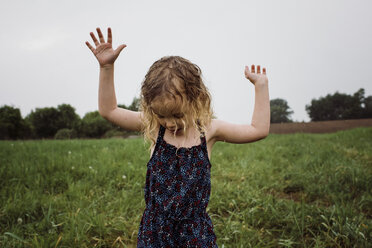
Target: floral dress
177,193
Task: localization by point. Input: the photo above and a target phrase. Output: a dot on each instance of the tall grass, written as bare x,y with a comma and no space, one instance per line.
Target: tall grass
293,190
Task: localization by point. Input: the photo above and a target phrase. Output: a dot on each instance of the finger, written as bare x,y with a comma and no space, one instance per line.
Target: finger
101,39
246,71
264,70
259,69
90,46
118,50
253,69
109,36
94,38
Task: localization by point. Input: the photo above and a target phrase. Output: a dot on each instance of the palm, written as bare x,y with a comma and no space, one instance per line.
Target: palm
103,51
256,77
105,54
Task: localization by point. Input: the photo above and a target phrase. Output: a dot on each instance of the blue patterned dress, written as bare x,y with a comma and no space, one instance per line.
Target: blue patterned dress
177,193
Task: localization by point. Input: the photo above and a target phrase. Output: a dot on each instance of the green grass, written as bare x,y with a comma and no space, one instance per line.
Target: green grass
293,190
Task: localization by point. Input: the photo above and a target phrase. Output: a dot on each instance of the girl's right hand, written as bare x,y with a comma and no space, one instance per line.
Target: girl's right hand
103,51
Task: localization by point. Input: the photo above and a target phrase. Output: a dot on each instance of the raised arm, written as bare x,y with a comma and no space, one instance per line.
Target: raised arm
107,105
259,128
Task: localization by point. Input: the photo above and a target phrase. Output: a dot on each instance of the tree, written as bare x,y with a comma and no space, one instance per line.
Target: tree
44,121
279,111
94,125
12,125
339,106
47,121
67,118
134,106
367,107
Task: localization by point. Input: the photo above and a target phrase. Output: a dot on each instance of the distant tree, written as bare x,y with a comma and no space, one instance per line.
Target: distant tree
65,133
339,106
68,118
47,121
94,125
279,111
367,107
44,121
134,106
12,125
356,109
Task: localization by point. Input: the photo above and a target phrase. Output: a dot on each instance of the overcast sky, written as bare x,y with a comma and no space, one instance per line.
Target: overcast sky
310,49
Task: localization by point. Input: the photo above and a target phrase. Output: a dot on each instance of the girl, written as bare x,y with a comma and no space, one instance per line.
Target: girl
176,117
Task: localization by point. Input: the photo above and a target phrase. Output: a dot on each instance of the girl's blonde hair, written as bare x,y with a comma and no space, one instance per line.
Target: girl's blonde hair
175,77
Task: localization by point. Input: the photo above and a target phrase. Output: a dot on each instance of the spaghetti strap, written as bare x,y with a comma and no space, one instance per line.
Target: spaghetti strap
203,141
161,133
159,140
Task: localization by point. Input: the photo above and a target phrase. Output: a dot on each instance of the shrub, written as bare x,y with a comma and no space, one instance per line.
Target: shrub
115,133
65,133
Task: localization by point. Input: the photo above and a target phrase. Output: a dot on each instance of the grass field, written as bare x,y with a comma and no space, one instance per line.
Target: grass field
292,190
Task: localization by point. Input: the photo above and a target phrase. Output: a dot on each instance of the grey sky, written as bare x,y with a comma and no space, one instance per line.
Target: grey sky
310,49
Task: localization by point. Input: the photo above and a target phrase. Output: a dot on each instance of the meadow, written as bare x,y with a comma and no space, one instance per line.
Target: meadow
287,190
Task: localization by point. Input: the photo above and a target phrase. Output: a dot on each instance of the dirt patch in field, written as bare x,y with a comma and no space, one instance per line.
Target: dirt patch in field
319,126
298,196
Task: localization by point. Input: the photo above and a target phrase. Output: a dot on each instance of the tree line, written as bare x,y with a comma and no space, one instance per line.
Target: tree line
59,123
337,106
63,123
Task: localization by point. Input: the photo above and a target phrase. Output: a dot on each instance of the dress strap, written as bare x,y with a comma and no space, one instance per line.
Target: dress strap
202,134
161,133
160,138
203,140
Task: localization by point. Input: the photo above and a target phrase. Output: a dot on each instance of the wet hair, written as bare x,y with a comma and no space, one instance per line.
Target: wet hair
174,80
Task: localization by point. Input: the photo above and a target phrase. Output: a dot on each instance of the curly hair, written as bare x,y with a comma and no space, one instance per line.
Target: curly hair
174,77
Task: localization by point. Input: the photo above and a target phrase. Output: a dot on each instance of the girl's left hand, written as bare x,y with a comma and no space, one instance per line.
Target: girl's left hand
256,78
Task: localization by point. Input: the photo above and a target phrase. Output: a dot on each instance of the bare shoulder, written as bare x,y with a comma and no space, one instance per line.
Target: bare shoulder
220,130
210,133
